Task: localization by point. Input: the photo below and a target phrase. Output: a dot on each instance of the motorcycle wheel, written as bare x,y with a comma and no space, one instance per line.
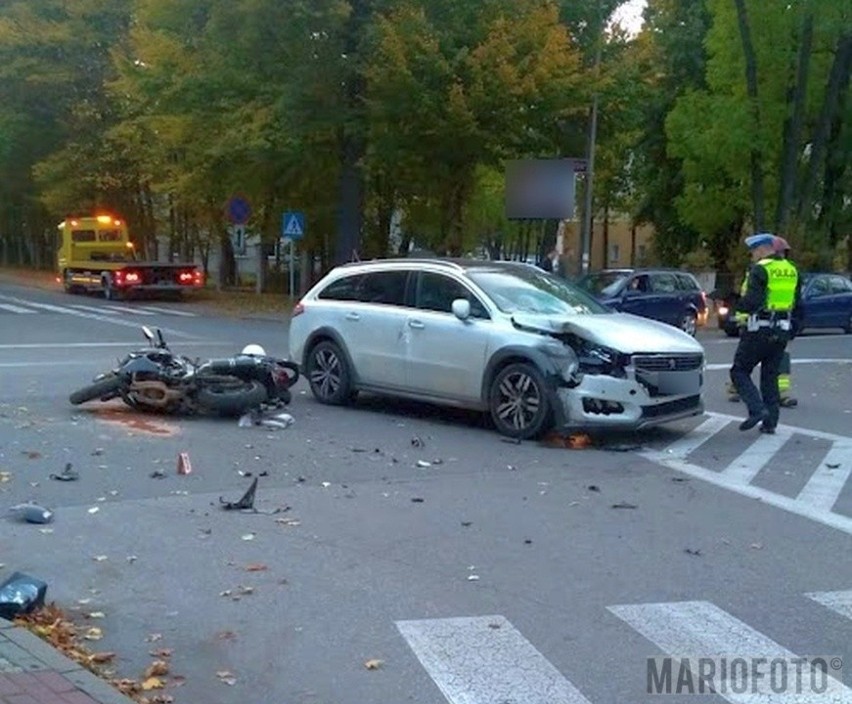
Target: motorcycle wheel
232,398
104,389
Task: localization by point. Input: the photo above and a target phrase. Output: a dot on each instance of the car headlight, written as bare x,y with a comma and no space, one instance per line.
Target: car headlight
565,359
723,310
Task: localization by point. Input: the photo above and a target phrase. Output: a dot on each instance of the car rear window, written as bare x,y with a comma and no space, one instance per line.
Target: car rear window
604,283
687,283
345,289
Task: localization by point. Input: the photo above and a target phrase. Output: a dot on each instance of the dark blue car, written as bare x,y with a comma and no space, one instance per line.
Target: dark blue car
668,295
826,304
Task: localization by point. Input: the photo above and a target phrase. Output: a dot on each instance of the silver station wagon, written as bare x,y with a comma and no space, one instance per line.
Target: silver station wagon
506,338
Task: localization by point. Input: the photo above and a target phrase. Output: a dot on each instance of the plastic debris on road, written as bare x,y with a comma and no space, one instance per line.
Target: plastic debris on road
21,594
32,513
254,418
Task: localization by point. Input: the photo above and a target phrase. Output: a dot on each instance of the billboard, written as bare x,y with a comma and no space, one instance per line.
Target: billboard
541,189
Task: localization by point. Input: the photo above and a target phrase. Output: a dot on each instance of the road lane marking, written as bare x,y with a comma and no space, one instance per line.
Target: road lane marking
827,518
696,629
783,428
94,309
15,309
132,311
84,345
719,367
90,316
755,457
826,483
696,438
485,660
170,311
839,602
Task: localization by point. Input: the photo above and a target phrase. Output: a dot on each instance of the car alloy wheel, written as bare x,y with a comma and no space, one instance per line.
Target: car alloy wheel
518,401
689,324
328,374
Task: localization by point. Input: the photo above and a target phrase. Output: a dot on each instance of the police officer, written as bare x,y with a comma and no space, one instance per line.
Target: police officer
782,251
772,294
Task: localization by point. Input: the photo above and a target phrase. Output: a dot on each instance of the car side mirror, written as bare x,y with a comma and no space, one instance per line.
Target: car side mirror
461,308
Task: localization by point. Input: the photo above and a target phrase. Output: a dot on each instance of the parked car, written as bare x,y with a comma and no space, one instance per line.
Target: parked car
507,338
670,296
826,304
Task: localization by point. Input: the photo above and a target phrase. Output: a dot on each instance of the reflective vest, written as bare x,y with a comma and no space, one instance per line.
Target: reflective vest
782,277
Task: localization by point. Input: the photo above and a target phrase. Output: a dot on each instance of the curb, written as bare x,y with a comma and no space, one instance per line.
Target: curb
35,667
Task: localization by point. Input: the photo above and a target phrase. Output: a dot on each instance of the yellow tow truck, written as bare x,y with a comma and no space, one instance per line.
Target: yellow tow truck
96,254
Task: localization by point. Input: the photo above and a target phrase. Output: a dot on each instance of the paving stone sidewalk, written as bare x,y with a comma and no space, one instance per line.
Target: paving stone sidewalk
32,672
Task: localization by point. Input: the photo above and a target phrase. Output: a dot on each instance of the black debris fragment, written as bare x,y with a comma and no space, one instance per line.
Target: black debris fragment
66,475
690,551
157,474
592,487
466,524
511,441
417,500
623,504
417,442
623,448
680,479
246,502
832,465
528,542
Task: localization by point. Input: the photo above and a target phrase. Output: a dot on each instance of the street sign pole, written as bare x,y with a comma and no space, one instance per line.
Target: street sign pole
292,229
292,268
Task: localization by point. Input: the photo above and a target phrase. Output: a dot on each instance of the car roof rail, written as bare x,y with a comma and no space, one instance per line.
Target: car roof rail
450,264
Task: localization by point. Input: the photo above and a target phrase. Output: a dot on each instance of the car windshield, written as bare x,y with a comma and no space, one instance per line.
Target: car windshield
605,283
535,291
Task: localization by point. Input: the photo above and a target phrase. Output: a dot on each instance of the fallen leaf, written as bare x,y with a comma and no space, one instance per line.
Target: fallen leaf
161,653
5,477
96,614
256,567
93,634
152,683
154,637
158,668
101,658
373,664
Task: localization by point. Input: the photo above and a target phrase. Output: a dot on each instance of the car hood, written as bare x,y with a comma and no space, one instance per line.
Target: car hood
624,332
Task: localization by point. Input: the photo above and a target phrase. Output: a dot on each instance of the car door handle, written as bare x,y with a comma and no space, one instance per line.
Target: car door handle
353,316
416,324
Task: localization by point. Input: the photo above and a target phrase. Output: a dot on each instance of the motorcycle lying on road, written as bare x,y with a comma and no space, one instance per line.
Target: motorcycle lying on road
157,380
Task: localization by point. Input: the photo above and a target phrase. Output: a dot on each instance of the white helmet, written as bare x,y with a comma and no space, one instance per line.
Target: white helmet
254,350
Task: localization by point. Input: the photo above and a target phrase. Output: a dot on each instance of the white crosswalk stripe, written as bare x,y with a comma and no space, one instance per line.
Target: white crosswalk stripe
703,649
817,500
839,602
15,309
485,660
24,307
690,631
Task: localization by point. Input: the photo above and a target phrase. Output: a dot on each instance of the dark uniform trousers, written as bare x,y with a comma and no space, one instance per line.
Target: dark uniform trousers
765,347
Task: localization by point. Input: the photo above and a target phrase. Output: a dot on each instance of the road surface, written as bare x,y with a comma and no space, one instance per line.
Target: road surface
497,573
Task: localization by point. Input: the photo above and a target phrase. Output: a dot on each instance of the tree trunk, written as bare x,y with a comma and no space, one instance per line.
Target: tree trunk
838,79
793,127
606,234
632,244
756,157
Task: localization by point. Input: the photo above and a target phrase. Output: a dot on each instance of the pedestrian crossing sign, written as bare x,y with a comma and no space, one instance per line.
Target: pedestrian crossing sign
293,225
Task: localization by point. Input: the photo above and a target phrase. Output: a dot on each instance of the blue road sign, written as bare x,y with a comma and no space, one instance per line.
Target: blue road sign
239,210
293,225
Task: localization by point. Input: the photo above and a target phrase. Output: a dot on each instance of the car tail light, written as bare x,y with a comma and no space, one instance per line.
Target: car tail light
132,277
185,277
298,309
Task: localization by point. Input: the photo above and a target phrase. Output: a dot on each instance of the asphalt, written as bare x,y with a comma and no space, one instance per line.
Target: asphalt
356,538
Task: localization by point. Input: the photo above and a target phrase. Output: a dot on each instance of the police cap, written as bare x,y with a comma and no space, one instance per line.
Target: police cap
760,240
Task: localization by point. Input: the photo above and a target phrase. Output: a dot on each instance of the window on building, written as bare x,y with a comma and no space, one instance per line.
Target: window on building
614,253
